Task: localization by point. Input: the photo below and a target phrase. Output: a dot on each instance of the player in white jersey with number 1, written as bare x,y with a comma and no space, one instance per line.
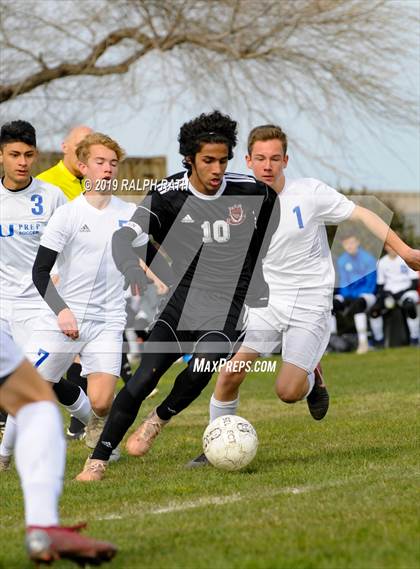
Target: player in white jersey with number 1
86,311
299,271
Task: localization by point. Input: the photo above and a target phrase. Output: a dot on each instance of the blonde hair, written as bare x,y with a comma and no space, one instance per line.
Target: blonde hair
267,132
83,148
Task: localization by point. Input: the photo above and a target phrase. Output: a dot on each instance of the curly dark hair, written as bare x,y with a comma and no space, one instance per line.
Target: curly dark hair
17,131
207,128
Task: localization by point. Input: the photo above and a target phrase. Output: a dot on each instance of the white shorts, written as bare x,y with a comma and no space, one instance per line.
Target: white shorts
303,337
99,346
10,355
22,320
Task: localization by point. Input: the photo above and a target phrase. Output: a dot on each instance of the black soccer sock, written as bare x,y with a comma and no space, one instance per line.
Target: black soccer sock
125,372
73,375
67,393
189,383
123,414
128,401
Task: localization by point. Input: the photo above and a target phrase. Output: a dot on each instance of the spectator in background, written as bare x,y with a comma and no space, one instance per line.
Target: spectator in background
66,174
356,272
396,286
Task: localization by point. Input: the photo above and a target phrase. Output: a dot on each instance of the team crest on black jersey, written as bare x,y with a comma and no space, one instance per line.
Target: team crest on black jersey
236,215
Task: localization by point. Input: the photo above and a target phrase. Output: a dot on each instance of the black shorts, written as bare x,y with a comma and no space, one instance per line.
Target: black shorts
193,314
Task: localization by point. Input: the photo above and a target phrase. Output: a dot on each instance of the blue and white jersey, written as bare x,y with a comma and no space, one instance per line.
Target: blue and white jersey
24,215
356,274
394,274
298,266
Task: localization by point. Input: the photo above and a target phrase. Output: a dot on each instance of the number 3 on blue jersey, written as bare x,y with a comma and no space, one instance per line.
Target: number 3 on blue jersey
299,216
38,207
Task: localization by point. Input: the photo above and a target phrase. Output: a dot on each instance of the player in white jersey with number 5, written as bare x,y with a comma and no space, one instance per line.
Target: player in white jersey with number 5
86,311
299,271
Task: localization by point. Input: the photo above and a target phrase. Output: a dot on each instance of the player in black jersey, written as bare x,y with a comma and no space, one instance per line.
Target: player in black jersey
216,228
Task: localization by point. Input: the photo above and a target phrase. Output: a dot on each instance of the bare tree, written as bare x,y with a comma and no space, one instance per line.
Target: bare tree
326,58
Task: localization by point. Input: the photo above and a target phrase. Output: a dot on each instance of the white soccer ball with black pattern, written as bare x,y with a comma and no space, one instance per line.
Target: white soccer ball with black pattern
230,442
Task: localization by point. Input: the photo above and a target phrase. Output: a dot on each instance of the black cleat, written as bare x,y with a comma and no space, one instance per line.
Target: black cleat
318,400
198,462
76,430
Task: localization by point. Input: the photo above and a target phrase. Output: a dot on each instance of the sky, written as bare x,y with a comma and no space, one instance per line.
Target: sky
387,160
390,161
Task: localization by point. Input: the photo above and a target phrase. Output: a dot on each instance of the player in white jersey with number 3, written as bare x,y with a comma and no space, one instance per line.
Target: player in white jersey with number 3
299,271
26,205
86,311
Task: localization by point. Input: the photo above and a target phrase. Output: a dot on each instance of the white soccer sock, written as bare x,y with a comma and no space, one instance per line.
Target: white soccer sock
360,321
311,381
413,327
40,459
220,408
7,445
81,408
377,327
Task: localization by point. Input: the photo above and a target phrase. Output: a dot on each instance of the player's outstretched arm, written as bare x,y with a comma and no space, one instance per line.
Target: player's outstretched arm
379,228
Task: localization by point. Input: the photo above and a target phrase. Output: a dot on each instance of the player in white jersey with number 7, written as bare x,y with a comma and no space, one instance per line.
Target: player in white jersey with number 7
299,271
86,311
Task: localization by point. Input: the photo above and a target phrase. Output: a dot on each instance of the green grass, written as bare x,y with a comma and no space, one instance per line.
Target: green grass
336,494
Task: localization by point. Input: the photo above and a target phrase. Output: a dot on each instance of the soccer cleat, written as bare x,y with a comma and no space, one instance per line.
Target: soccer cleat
93,470
48,544
94,429
318,400
140,442
76,430
75,436
198,462
5,462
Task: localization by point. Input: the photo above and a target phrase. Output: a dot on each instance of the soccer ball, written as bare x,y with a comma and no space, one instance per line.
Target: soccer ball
230,442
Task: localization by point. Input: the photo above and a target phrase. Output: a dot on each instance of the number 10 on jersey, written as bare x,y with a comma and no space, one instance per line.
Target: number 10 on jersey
218,231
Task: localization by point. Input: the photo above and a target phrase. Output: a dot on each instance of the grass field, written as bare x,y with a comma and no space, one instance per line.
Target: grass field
336,494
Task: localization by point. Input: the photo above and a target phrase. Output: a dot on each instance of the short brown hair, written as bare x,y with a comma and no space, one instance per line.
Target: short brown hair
267,132
83,148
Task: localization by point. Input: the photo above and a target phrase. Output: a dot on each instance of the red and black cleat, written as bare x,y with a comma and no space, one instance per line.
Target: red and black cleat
318,400
48,544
